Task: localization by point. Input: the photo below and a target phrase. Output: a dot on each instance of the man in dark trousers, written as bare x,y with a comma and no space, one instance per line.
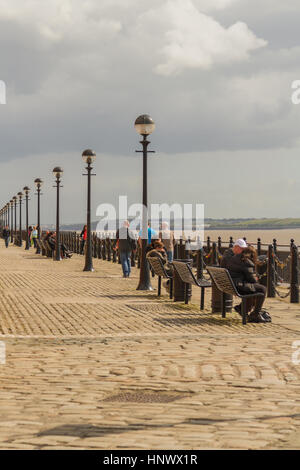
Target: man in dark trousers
6,235
237,248
243,278
126,244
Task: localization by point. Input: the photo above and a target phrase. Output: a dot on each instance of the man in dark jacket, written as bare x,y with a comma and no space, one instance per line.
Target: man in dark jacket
126,244
6,235
237,248
242,272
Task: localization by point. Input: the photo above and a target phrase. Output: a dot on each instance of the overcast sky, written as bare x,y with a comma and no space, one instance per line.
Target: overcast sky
215,75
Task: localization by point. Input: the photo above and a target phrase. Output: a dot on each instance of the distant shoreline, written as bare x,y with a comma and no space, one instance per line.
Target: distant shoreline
275,227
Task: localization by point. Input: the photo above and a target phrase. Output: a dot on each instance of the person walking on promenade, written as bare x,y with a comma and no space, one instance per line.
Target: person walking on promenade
83,237
151,234
6,235
241,267
34,236
126,244
168,239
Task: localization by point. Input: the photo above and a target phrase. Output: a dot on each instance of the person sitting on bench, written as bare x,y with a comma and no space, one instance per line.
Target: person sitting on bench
242,270
160,252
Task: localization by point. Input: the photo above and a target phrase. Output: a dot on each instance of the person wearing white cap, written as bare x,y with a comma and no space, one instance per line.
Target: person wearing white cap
241,267
238,247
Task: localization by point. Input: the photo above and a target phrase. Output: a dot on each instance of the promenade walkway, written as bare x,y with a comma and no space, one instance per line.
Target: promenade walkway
92,363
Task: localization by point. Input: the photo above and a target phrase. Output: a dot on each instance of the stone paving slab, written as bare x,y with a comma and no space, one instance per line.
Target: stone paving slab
76,340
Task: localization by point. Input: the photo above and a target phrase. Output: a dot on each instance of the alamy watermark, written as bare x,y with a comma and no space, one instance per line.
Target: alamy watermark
296,353
185,220
296,94
2,353
2,92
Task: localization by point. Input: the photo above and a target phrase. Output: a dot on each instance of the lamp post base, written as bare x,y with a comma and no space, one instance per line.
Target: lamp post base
144,286
90,269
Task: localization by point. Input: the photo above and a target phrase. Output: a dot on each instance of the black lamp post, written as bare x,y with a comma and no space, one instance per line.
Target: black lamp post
88,157
11,218
8,215
20,219
144,126
38,184
26,191
57,172
15,225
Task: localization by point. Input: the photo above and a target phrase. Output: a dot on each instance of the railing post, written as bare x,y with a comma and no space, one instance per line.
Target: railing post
187,251
108,249
181,249
114,256
258,247
98,247
271,273
103,249
200,264
230,242
214,256
294,299
176,250
275,245
208,244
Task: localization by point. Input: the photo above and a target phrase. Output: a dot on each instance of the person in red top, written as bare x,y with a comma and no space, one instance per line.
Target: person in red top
83,236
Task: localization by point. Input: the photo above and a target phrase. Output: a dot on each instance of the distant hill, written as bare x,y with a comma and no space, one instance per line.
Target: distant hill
249,224
224,224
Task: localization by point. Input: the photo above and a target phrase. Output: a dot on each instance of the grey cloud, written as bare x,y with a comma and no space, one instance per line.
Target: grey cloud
81,82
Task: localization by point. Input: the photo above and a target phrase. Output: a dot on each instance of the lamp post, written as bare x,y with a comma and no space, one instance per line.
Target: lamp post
20,219
57,172
144,126
11,218
38,184
8,215
26,191
88,156
15,225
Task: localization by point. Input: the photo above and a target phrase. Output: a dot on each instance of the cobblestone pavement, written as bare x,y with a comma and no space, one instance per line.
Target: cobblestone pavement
92,363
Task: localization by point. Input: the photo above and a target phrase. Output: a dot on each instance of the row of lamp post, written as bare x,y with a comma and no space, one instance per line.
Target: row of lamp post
8,213
144,126
9,216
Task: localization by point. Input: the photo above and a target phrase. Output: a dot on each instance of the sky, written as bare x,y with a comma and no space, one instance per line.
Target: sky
215,75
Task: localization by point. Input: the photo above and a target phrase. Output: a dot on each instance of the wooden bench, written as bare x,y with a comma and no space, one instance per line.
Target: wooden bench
224,282
160,271
187,276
